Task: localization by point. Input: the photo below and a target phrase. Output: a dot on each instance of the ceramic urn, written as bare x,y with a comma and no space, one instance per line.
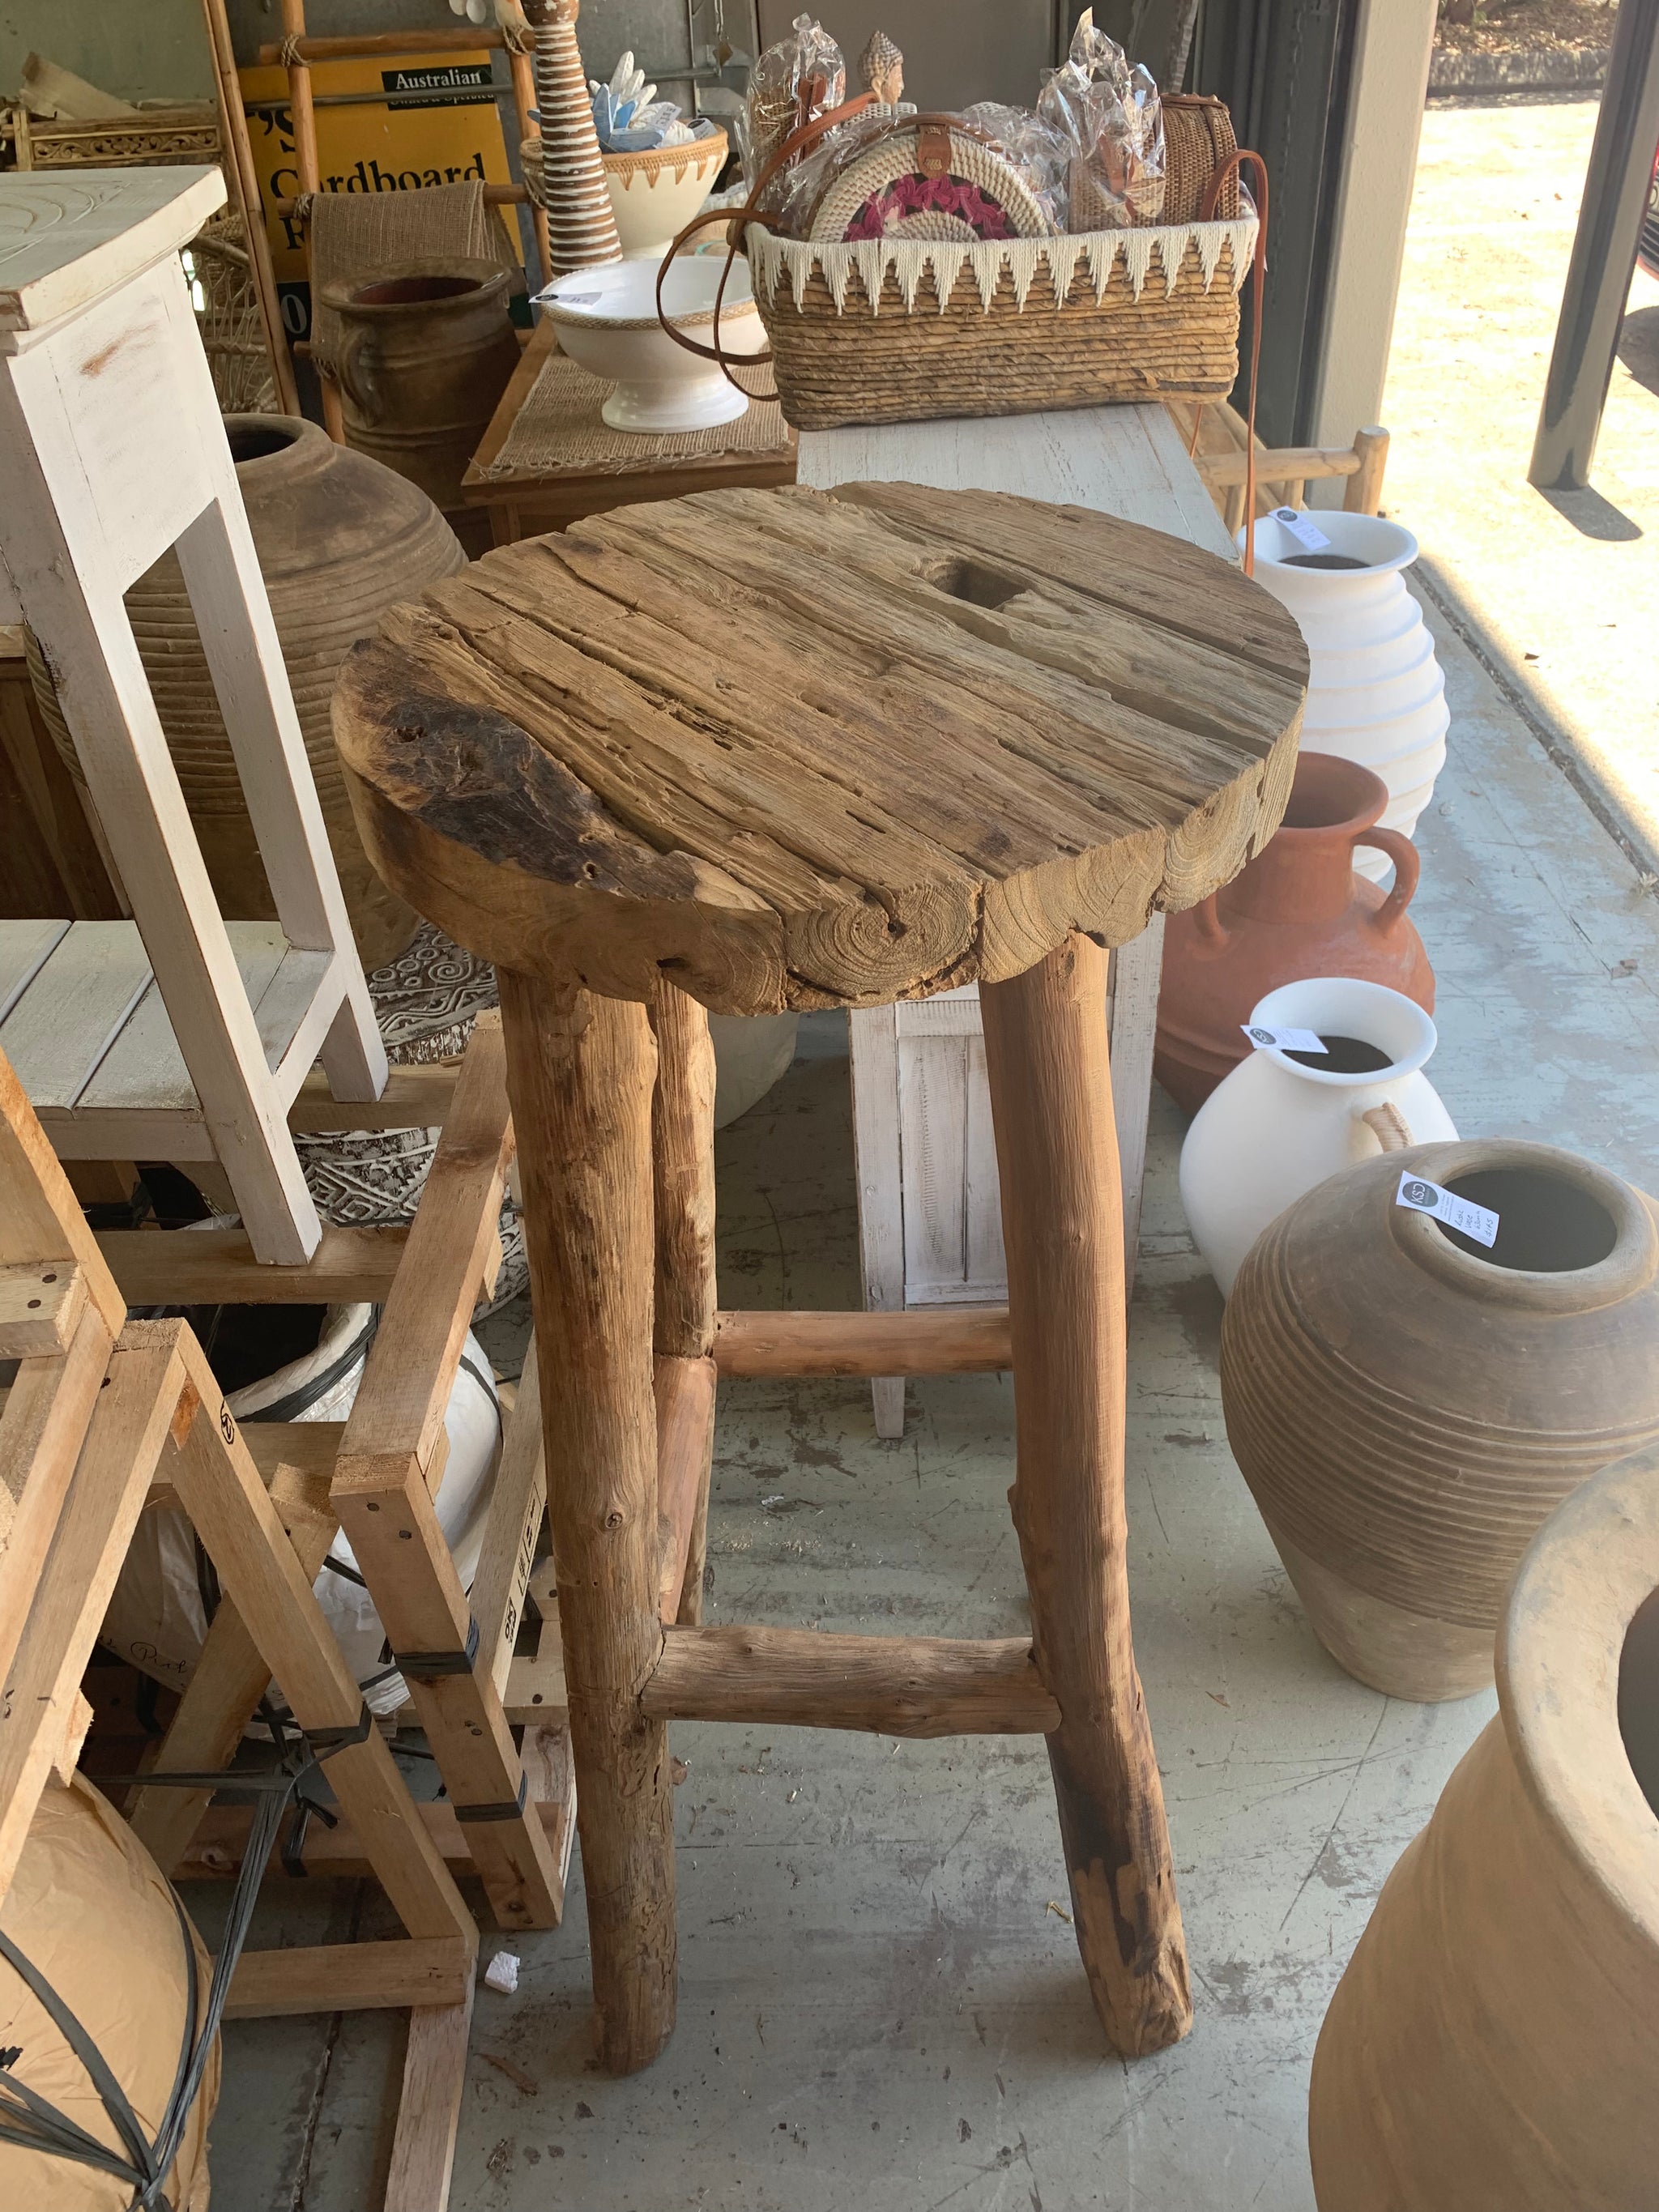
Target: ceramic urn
1490,2046
1286,1118
1408,1405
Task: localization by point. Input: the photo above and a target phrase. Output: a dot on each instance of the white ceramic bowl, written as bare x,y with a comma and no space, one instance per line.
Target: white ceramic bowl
607,322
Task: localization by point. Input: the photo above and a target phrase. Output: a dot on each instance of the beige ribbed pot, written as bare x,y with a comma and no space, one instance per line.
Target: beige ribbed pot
1408,1408
340,539
92,1913
1491,2046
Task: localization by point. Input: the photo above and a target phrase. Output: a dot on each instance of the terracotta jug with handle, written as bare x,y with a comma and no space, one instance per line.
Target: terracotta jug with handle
1299,909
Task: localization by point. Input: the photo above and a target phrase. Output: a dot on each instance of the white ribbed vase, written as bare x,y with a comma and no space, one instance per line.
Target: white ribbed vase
1376,691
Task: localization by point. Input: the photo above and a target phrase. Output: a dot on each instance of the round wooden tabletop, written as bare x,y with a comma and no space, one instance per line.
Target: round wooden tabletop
799,748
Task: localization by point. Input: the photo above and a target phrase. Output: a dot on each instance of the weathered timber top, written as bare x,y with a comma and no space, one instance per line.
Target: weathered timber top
795,749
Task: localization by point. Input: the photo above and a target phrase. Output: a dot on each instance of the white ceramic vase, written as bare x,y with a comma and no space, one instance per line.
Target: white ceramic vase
1376,691
653,193
156,1618
1276,1126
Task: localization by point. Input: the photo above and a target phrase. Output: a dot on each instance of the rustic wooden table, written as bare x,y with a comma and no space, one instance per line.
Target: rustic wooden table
547,459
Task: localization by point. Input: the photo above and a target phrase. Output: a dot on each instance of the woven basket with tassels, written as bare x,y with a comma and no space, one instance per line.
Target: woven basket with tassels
907,328
902,330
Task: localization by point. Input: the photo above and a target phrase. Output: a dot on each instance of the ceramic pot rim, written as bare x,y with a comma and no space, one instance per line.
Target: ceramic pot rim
1589,1569
1629,1268
295,439
488,280
1395,548
1338,768
1404,1064
739,308
649,162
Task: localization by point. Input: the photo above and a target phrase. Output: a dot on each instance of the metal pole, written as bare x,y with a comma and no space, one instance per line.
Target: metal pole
1603,255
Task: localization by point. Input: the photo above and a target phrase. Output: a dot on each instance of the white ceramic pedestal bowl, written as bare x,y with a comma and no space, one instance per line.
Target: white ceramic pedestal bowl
607,322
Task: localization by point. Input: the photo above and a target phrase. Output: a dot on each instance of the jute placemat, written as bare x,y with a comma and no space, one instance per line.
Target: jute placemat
559,430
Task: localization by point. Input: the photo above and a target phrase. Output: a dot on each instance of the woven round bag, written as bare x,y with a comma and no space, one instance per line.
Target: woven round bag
1198,139
928,182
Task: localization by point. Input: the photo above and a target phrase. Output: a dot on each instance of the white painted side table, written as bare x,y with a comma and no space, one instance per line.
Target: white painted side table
111,451
930,1221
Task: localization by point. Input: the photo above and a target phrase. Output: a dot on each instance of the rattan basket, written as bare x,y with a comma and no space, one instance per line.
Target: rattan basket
895,329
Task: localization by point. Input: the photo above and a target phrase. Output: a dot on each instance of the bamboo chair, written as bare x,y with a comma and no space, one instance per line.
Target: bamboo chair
297,52
1282,473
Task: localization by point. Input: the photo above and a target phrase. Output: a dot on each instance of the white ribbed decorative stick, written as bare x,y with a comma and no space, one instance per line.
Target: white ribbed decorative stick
581,227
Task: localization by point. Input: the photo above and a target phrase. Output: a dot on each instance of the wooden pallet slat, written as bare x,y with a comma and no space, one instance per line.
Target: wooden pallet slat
61,1027
25,946
143,1071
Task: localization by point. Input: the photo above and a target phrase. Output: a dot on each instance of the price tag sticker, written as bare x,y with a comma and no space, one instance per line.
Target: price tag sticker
1424,1197
1284,1040
1303,527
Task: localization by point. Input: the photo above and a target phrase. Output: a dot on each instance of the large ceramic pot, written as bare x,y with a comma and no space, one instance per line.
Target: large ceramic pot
1490,2047
428,350
1298,910
1283,1120
89,1910
340,539
1376,692
1407,1406
752,1053
156,1618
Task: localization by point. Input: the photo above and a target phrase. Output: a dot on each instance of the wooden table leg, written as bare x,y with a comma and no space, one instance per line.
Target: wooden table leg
579,1073
683,1159
1051,1100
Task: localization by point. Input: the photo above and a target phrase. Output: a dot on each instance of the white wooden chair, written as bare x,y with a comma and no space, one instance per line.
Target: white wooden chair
111,451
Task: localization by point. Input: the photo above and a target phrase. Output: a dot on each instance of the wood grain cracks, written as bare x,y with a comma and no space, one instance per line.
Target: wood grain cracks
789,749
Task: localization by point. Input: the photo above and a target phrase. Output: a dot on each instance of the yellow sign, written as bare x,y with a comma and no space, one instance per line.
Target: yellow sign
427,123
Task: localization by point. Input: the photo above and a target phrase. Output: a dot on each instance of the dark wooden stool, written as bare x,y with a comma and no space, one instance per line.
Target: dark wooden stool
752,751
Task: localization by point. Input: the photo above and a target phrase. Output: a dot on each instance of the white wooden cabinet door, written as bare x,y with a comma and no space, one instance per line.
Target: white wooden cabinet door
929,1217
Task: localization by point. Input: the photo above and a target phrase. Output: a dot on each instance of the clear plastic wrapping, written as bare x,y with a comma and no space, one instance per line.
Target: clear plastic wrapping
1041,153
1113,119
807,180
793,83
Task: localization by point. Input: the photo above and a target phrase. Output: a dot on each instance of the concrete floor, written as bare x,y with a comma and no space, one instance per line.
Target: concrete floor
1560,587
880,2004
